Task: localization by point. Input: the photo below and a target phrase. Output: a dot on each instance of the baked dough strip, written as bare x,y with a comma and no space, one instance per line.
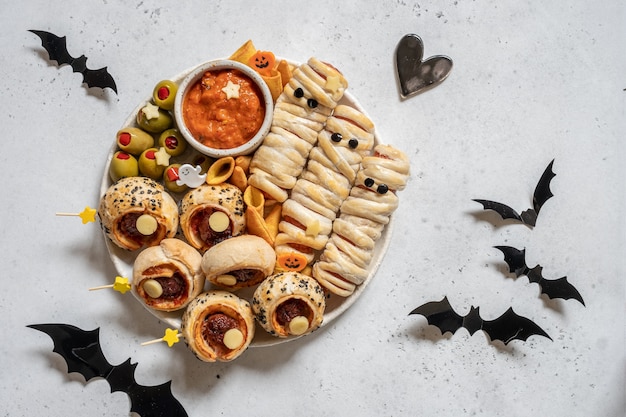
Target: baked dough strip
363,216
300,113
325,183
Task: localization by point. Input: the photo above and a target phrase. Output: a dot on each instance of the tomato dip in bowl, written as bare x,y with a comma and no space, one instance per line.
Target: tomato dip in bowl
223,108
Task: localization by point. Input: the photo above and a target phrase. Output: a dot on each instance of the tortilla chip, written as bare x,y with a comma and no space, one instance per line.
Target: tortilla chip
274,82
244,52
285,71
256,225
238,178
254,198
273,218
243,161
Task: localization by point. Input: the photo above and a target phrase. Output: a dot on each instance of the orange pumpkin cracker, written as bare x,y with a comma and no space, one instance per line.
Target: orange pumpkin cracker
291,261
238,178
263,62
256,225
244,53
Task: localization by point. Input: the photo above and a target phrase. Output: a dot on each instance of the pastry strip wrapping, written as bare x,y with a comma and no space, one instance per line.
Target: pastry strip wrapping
174,267
300,113
325,183
363,215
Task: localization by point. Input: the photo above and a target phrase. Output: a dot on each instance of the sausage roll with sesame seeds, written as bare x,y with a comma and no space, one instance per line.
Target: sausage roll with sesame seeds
218,326
211,214
137,212
289,304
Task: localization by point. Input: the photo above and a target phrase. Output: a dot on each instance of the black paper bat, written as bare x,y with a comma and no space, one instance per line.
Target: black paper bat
83,354
555,288
528,217
507,327
57,50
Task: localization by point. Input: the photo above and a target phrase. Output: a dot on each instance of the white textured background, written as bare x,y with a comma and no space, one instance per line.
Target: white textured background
532,81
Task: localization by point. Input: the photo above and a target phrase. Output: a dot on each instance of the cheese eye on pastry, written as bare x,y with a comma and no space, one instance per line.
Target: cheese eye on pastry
289,304
218,326
210,214
136,212
238,262
168,276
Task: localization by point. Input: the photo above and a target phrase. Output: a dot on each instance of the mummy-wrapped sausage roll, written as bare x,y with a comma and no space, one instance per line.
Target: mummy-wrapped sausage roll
210,214
326,182
218,326
300,113
289,304
238,262
168,276
363,215
136,212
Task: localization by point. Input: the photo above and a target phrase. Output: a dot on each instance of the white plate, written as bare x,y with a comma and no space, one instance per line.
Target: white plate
335,305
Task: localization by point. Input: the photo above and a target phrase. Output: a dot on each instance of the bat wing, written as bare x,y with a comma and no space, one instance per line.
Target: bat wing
503,210
99,78
542,191
515,259
69,341
55,46
554,288
57,51
510,326
440,314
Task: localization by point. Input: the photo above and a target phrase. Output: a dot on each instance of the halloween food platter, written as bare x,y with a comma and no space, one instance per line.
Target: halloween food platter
295,251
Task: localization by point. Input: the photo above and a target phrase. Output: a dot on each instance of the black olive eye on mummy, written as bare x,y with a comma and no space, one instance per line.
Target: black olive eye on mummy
312,103
298,93
336,137
353,143
368,182
382,189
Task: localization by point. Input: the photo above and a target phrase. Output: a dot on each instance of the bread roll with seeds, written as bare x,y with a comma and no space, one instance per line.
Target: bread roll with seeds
289,304
218,326
137,199
210,214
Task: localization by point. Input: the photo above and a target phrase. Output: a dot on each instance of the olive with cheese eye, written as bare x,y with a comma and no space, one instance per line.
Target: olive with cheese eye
173,142
153,119
164,94
123,165
148,165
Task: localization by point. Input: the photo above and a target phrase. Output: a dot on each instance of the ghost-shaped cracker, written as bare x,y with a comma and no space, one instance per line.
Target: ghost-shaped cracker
190,176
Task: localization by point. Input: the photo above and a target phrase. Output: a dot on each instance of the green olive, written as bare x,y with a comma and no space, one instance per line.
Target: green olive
123,165
153,119
164,94
173,142
148,165
169,179
134,140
